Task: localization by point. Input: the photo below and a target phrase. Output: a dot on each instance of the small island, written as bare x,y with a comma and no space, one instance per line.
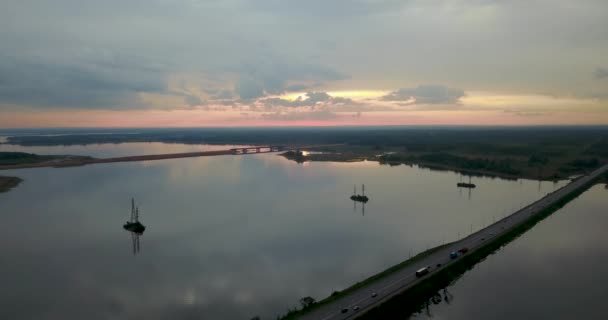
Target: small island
7,183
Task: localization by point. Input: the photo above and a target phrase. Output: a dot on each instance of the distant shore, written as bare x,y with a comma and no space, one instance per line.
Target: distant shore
539,153
499,168
7,183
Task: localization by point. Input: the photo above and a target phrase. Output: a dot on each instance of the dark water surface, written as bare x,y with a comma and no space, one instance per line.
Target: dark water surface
232,237
557,270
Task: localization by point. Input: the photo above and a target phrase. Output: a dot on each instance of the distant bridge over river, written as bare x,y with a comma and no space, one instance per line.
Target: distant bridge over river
69,161
261,149
80,161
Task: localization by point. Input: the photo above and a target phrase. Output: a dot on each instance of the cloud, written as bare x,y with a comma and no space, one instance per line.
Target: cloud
193,100
601,73
270,75
309,99
322,9
223,95
248,88
99,80
86,54
426,94
529,113
296,87
304,115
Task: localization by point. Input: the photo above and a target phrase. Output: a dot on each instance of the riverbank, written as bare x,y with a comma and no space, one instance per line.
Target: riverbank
7,183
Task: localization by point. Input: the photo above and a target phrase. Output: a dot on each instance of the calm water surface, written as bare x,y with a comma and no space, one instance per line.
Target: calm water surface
557,270
227,237
107,150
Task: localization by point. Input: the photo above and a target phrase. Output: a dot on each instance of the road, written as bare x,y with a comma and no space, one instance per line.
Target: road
396,283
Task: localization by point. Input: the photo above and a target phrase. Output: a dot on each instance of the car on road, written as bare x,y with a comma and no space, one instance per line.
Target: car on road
345,310
422,271
463,250
374,294
356,308
453,255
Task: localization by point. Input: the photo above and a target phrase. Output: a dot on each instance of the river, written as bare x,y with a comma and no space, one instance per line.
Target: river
227,237
557,270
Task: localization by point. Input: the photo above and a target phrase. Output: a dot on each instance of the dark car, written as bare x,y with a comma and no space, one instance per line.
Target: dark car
345,310
463,250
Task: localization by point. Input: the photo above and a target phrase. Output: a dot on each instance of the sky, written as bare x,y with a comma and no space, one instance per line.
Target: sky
210,63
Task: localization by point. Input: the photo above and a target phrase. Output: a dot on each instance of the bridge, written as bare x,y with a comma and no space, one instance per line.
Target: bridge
260,149
358,301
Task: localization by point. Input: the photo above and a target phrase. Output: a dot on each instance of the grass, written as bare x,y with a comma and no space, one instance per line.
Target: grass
415,298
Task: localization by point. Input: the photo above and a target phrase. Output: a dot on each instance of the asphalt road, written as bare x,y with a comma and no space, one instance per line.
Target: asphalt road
401,280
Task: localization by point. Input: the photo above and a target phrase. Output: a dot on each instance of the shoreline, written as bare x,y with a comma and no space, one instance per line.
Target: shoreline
8,183
552,175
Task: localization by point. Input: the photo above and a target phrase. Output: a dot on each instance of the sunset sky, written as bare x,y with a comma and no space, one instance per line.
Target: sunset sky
187,63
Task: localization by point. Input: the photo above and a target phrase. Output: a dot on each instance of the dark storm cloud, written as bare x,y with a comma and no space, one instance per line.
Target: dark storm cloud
601,73
426,94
